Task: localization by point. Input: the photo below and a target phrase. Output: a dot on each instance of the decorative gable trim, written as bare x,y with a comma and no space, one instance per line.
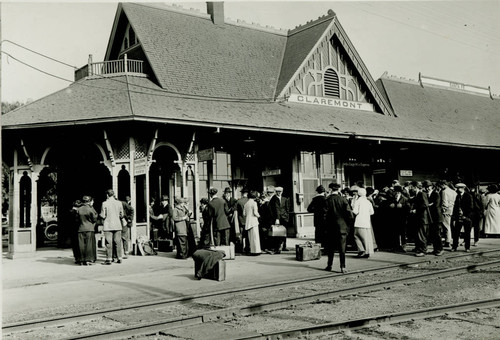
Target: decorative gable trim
309,78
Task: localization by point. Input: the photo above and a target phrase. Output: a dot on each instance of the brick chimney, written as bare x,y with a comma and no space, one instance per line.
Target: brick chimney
216,11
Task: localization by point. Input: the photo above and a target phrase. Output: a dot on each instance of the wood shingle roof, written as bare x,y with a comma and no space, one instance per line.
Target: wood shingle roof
191,55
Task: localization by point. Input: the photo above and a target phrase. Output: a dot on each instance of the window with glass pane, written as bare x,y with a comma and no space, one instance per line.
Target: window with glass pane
327,165
308,164
222,166
309,172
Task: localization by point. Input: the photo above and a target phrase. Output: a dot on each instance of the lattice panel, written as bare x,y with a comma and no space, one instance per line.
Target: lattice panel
141,149
190,157
122,151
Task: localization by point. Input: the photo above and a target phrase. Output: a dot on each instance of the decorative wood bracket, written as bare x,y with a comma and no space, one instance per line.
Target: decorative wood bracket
152,147
30,163
110,149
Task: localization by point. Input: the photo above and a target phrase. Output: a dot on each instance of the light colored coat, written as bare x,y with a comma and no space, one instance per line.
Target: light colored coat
363,209
448,197
251,214
111,213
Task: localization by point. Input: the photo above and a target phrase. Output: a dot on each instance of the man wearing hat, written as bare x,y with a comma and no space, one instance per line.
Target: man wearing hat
397,210
111,213
242,243
462,216
128,213
231,205
448,197
166,225
280,207
337,221
422,219
436,215
217,212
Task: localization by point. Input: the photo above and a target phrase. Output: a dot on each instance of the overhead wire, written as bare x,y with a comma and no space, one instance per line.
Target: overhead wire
38,53
419,28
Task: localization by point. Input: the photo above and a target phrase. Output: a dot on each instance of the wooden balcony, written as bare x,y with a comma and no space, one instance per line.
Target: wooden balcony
112,67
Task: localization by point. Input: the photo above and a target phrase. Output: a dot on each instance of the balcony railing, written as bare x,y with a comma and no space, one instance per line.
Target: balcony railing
102,68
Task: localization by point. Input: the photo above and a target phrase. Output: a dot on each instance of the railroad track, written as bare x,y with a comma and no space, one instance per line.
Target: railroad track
61,320
375,320
153,327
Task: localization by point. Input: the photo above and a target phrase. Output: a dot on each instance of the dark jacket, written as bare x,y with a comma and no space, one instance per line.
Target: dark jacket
318,208
435,207
397,209
217,212
463,206
279,209
239,207
166,224
421,207
338,215
87,217
128,213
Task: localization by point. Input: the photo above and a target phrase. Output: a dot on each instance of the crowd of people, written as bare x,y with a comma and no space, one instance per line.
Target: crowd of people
114,221
438,215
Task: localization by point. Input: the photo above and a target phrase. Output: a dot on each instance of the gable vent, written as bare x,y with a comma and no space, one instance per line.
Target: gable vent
331,84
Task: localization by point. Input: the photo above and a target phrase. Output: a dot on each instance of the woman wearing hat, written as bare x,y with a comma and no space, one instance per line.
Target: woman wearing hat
251,214
492,213
318,208
363,210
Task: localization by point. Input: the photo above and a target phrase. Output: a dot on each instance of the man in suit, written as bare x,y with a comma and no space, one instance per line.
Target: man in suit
166,225
338,217
462,217
448,197
436,215
111,213
217,212
243,242
397,207
231,205
280,207
422,219
128,214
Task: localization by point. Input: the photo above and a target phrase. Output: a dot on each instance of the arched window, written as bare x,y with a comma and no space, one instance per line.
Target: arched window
331,83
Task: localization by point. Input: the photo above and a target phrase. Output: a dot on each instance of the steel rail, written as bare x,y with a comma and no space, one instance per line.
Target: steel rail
157,326
60,320
376,320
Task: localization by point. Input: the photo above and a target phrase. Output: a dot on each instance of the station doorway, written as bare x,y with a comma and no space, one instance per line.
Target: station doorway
74,170
165,177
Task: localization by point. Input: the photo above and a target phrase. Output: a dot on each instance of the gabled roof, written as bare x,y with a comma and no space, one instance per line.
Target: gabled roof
139,99
191,55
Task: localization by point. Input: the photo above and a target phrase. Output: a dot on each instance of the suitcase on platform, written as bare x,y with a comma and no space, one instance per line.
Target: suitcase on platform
165,245
228,250
217,273
308,251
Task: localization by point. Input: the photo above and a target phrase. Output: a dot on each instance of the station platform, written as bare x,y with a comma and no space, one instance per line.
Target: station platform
50,280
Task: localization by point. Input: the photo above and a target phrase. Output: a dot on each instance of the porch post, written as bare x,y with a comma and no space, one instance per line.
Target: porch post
22,238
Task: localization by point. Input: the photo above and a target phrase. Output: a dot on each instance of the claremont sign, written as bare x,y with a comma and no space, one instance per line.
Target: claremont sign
334,102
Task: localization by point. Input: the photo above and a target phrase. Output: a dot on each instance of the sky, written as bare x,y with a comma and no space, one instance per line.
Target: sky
457,41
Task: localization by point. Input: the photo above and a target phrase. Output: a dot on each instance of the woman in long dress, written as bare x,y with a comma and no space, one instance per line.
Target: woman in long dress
251,214
492,213
363,209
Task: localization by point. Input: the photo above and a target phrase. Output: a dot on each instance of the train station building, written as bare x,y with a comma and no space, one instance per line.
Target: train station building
186,100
